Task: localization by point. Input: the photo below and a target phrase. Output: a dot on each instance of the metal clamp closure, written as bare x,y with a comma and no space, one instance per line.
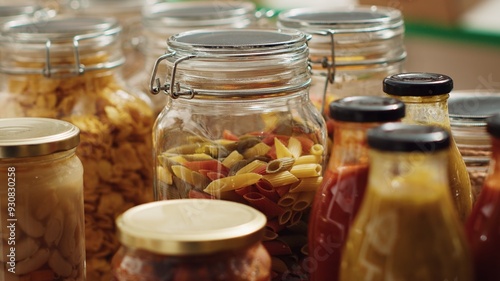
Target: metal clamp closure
325,62
78,68
173,89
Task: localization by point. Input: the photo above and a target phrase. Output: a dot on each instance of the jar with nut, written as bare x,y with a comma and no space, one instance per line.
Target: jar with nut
67,69
41,201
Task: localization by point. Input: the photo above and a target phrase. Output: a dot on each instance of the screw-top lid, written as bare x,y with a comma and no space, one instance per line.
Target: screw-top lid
493,125
190,226
367,109
27,137
417,84
400,137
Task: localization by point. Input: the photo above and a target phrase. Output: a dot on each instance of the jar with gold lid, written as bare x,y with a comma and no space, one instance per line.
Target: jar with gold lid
352,48
41,200
240,126
67,68
197,239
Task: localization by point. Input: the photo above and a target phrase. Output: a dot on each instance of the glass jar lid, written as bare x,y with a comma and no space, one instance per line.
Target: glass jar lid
367,109
59,45
98,7
190,226
29,136
471,108
234,63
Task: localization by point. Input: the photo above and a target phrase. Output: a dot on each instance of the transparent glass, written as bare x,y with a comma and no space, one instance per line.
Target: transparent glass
115,125
247,264
407,227
42,218
433,110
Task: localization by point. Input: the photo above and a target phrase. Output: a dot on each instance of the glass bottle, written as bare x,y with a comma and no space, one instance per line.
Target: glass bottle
341,191
41,201
240,126
352,48
163,19
67,68
197,239
426,98
482,226
407,227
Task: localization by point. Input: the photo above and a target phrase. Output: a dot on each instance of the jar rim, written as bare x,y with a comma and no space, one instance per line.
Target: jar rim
472,107
190,226
13,11
30,136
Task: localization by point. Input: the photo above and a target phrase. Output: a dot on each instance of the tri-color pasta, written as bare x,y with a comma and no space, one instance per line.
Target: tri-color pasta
276,174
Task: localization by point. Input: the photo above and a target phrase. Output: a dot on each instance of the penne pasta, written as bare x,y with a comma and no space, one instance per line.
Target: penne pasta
174,160
197,157
232,183
306,170
278,265
275,225
306,184
277,248
304,200
265,188
293,240
317,149
281,150
295,147
269,235
288,199
256,166
285,217
246,189
280,178
211,165
308,159
257,150
184,149
263,204
232,159
191,177
296,218
164,175
279,165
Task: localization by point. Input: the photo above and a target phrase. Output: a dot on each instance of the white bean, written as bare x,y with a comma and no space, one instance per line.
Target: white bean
67,245
29,224
59,265
54,230
33,263
46,205
26,248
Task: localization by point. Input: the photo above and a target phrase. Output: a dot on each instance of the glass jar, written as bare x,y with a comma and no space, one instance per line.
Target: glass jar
41,200
199,239
407,227
164,19
483,223
352,48
67,69
426,98
21,11
468,111
240,126
341,192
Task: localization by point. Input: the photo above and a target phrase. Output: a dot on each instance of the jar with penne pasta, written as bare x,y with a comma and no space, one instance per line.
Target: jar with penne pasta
41,201
67,69
241,127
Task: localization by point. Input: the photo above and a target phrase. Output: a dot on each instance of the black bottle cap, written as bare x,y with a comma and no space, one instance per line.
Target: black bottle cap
367,109
417,84
493,125
400,137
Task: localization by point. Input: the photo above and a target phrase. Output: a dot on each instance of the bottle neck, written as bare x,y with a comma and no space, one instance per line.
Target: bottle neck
426,110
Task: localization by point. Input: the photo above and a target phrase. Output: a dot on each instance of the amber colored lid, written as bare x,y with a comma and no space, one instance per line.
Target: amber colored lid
190,226
28,137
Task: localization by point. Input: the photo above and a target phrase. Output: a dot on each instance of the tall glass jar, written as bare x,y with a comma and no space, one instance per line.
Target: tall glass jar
197,239
351,49
407,227
240,126
426,98
484,222
163,19
67,68
343,187
41,201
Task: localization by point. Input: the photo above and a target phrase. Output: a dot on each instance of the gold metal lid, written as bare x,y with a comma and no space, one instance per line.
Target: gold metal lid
28,137
190,226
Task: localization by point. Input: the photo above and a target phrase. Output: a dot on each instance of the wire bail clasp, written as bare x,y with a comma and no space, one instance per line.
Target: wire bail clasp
78,68
173,89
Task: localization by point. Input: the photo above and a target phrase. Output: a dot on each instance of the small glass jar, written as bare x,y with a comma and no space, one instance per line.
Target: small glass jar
164,19
67,69
41,200
240,126
468,111
351,49
197,239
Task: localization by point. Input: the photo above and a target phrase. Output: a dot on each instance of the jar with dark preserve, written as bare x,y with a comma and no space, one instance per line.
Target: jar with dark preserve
468,110
67,69
341,192
161,20
484,222
241,127
352,48
407,227
41,201
199,239
426,98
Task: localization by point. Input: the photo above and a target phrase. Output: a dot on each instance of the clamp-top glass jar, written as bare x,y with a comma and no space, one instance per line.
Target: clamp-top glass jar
67,68
41,201
351,50
240,126
164,19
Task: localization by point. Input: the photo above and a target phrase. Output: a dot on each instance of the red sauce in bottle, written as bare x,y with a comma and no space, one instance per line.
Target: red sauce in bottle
337,202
